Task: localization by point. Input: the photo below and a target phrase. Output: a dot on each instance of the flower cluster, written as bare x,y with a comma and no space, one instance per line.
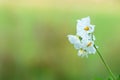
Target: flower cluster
84,39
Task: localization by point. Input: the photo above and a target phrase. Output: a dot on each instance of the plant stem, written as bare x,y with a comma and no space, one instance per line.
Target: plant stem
106,65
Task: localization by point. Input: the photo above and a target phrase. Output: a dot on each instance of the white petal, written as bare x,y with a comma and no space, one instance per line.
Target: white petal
79,23
80,26
91,50
82,33
73,39
77,45
86,20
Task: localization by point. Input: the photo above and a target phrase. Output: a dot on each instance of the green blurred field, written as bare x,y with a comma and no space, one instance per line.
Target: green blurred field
34,45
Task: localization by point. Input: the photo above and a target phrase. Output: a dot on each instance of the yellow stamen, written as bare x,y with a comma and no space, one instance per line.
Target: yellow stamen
86,28
89,44
81,51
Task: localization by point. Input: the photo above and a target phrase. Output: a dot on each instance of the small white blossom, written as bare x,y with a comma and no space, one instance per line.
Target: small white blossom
84,27
89,46
84,39
82,53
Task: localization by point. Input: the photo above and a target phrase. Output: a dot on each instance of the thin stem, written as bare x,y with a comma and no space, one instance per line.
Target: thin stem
106,65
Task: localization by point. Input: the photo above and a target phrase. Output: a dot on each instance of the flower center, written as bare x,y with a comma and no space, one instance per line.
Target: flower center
86,28
89,44
81,51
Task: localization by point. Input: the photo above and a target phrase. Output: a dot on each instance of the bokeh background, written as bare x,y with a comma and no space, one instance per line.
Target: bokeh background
34,44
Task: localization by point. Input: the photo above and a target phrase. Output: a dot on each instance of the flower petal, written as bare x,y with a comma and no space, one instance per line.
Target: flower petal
73,39
91,49
86,20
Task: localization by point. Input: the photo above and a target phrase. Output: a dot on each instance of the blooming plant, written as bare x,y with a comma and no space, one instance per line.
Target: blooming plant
84,41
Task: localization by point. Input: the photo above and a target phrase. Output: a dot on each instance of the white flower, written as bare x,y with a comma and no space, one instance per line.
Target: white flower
84,39
84,27
85,51
89,46
82,53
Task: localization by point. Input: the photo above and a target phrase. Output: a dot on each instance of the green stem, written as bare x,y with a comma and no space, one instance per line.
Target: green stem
106,65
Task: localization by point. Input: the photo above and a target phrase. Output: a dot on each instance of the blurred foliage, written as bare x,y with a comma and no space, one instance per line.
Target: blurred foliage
34,45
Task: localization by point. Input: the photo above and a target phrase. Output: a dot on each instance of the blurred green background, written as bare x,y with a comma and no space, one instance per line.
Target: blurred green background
34,44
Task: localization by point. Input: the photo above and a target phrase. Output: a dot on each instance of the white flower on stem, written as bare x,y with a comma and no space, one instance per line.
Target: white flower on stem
84,39
84,27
